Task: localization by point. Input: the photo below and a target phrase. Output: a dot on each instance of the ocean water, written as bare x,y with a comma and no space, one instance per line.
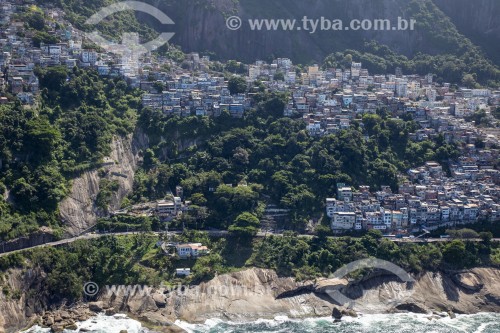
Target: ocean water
393,323
101,324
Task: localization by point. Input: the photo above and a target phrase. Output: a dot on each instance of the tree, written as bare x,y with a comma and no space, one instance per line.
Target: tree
159,86
42,138
496,112
469,81
42,37
322,231
149,159
36,21
235,200
463,233
245,225
347,61
237,85
279,76
235,67
198,199
275,106
454,253
486,237
53,78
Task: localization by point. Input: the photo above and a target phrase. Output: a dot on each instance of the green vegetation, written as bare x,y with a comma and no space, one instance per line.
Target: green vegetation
237,85
112,28
106,189
36,22
125,223
480,118
44,147
462,233
308,258
136,260
475,230
467,68
496,112
270,159
245,225
130,260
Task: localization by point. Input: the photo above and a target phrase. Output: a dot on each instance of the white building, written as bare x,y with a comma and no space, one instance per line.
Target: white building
191,250
183,271
343,220
89,56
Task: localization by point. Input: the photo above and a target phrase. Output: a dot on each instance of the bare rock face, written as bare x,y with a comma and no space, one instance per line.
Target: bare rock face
469,281
260,293
78,210
330,284
2,323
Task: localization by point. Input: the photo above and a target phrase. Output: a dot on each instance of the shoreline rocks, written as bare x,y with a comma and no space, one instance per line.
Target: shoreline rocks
259,293
62,319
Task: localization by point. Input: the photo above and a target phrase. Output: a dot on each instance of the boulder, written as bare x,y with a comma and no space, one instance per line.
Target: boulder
49,321
160,300
96,306
83,317
411,307
111,312
349,313
336,314
71,327
57,318
57,328
65,315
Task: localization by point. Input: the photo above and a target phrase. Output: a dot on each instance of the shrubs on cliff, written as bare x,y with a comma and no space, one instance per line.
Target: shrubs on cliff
448,67
277,160
44,147
136,259
307,258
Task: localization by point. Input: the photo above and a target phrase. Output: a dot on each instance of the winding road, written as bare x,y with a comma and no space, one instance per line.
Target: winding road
214,233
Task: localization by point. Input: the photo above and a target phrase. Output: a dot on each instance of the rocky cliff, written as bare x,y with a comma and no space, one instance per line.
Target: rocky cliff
78,210
478,20
200,26
258,293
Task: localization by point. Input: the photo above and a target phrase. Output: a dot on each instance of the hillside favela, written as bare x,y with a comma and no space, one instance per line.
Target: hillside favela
250,166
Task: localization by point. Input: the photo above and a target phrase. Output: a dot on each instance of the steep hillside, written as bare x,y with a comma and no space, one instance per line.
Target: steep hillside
200,26
443,31
478,20
266,295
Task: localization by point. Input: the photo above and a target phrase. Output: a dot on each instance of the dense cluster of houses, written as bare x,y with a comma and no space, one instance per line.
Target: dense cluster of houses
202,95
427,200
19,54
326,99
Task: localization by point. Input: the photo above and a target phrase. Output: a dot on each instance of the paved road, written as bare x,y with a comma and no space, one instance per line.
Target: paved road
99,235
212,233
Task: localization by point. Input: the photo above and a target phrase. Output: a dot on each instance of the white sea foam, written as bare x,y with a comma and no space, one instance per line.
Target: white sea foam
101,324
366,323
